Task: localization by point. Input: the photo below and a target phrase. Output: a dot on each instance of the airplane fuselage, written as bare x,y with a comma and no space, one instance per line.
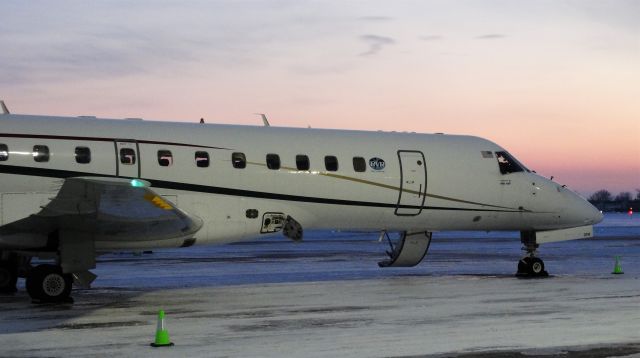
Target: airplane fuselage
236,177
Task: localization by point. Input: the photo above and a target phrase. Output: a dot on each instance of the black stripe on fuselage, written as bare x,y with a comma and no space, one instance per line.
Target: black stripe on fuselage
198,188
103,139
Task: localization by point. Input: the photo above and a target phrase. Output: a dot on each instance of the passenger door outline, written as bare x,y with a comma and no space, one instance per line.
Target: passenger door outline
413,183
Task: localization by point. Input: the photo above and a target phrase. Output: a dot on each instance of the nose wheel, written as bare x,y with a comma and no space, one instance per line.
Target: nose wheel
530,265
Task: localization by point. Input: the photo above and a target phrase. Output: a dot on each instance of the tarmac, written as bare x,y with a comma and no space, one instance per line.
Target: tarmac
326,297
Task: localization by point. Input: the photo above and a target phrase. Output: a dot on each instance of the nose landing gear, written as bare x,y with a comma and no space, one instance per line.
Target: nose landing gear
530,265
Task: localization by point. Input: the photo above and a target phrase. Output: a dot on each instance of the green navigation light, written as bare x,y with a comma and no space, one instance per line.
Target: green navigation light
137,183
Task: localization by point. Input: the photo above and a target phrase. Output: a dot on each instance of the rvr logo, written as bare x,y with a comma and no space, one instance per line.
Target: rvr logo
376,163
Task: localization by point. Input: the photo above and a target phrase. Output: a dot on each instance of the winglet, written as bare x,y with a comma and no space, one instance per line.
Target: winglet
5,110
264,119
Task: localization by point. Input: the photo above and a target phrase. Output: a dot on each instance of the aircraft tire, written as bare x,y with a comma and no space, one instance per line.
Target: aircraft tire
47,283
8,277
536,266
524,266
530,267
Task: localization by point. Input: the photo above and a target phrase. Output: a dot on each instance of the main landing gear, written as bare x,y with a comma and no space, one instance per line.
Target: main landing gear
48,284
12,267
45,283
8,276
530,265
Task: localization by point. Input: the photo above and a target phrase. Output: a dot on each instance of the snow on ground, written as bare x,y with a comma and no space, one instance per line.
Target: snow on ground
326,297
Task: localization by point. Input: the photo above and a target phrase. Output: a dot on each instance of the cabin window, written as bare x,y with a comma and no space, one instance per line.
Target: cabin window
41,153
239,160
273,161
165,158
83,155
302,162
359,164
127,156
331,163
507,163
202,159
4,152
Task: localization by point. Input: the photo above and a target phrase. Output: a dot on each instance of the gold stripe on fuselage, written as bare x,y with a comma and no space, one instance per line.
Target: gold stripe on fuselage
386,186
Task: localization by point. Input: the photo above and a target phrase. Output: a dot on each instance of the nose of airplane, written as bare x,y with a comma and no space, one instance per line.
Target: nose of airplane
584,212
593,215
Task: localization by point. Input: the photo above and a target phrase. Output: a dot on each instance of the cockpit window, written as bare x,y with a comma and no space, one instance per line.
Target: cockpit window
508,164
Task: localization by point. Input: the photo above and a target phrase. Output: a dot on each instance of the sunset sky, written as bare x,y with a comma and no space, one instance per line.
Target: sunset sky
557,83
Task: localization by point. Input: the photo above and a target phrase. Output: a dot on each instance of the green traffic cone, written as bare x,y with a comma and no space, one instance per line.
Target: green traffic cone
617,269
162,334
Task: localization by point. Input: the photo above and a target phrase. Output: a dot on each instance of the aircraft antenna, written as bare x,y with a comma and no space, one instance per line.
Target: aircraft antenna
264,119
5,110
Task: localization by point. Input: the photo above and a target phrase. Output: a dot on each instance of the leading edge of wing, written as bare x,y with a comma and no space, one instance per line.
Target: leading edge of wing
107,209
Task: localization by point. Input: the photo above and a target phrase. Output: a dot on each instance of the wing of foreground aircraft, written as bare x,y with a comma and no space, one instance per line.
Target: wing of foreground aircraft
93,213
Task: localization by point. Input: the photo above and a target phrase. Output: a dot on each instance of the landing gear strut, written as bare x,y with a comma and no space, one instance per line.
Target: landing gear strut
12,267
47,283
8,276
530,265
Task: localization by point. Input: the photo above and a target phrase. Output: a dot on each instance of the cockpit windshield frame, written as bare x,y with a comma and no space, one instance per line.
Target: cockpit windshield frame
508,164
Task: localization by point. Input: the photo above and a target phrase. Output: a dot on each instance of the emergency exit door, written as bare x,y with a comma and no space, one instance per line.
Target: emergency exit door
127,159
413,182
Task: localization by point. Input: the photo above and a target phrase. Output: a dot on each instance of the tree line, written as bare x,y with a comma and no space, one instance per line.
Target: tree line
624,201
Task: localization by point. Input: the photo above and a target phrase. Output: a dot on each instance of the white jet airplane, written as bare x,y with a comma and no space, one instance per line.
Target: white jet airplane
75,188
